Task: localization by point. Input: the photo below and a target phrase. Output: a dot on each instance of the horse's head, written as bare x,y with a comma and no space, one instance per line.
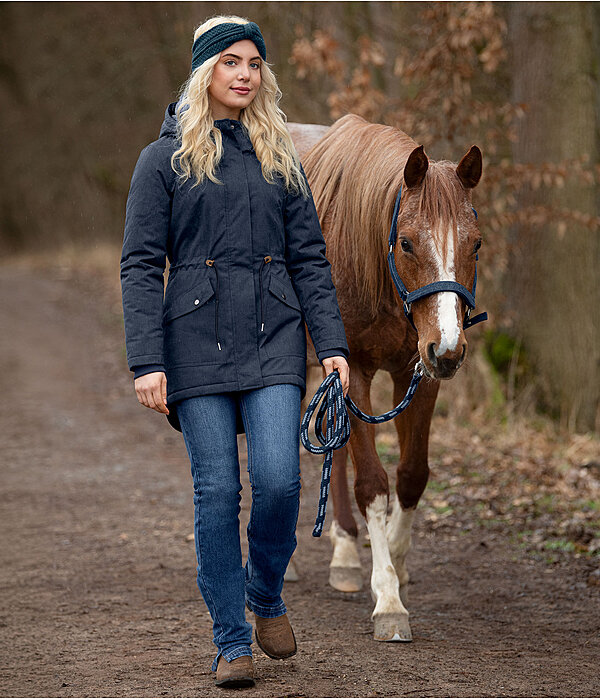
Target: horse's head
437,240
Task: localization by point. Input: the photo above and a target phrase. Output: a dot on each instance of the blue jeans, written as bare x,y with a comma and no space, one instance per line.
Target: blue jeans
271,418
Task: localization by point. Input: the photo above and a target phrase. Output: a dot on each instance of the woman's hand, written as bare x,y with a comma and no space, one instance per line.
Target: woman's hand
338,362
151,390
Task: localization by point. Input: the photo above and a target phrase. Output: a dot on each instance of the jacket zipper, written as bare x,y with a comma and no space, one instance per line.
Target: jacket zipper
266,259
211,263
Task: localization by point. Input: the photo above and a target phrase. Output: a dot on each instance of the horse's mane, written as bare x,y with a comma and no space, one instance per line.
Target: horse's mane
355,172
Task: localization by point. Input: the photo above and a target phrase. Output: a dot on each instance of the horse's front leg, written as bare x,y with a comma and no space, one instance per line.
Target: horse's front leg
390,617
412,427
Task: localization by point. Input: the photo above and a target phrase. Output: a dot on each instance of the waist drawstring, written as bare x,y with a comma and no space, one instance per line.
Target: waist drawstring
266,259
211,263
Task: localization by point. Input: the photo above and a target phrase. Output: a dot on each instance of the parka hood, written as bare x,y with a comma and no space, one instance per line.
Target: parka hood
169,125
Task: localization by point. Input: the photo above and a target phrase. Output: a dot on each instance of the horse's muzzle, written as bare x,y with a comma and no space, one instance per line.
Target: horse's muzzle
444,366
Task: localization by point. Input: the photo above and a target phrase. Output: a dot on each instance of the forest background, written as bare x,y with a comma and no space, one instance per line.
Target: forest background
97,549
85,85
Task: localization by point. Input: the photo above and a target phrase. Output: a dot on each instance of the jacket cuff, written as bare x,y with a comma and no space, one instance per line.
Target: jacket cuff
332,352
141,370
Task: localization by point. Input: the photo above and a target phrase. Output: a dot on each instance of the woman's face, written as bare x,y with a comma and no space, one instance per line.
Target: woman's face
235,80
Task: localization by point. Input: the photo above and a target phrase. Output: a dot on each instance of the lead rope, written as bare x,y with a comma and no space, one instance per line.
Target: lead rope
338,426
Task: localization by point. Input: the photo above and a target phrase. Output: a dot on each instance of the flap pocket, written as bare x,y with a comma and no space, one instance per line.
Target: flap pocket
284,292
188,301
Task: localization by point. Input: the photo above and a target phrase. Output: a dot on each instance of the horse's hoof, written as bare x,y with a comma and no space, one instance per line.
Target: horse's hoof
392,627
345,579
404,595
291,573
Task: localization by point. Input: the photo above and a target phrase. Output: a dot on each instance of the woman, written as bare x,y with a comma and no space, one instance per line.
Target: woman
222,195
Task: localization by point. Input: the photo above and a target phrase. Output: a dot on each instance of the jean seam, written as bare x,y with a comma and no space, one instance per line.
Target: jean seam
199,557
250,473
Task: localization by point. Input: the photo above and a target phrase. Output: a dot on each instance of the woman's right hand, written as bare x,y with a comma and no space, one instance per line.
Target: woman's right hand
151,390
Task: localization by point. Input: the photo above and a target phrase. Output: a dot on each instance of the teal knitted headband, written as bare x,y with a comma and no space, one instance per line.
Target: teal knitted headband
221,36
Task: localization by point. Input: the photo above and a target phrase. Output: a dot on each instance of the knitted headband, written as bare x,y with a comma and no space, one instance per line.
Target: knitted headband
221,36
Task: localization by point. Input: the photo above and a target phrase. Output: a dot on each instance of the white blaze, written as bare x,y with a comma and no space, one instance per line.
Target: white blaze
447,302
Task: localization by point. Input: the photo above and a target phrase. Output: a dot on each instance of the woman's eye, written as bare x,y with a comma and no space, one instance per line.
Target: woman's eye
406,245
477,246
255,65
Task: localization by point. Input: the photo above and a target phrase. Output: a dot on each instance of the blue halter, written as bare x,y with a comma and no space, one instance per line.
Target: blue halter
408,298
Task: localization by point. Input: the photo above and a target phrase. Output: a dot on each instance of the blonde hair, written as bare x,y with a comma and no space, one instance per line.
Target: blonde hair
201,141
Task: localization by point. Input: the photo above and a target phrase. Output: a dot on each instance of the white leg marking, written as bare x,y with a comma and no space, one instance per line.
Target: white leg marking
345,552
449,322
390,617
345,570
384,582
398,531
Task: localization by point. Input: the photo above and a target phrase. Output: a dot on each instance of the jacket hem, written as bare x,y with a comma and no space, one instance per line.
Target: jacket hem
223,387
189,393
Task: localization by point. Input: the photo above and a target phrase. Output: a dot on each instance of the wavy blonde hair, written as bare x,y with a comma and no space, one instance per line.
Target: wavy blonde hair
201,141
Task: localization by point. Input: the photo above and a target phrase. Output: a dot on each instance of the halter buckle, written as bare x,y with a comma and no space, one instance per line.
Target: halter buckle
420,368
407,308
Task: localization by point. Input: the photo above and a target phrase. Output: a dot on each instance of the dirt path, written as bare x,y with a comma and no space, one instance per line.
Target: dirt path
98,574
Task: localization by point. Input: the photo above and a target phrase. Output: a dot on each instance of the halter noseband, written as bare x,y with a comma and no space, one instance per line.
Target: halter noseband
441,286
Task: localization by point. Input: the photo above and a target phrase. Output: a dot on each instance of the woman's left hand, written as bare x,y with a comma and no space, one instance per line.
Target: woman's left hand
338,362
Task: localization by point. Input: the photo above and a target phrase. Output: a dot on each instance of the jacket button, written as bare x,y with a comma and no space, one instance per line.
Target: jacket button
283,295
196,301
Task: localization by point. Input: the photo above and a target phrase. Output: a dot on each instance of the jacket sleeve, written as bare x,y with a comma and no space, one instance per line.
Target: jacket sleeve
310,272
143,260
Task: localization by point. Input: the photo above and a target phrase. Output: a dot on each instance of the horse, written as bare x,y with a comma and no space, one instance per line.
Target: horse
355,170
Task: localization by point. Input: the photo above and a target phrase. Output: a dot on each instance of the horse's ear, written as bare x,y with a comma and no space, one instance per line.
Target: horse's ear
469,168
415,168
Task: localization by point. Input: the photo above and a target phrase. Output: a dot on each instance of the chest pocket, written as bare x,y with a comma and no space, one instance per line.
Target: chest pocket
284,321
189,322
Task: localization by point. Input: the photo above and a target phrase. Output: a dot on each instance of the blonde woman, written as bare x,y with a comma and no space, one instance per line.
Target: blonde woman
221,194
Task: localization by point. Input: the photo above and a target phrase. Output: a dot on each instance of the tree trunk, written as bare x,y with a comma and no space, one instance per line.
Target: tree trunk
554,275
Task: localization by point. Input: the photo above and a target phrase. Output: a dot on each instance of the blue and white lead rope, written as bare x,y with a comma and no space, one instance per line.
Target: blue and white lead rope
338,426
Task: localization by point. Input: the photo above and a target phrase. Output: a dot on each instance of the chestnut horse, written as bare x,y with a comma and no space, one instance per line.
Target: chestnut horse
355,170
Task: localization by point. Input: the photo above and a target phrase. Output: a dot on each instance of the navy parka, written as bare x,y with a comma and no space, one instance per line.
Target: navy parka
247,268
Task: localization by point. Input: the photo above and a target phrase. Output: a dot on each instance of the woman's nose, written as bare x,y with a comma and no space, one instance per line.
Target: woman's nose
243,73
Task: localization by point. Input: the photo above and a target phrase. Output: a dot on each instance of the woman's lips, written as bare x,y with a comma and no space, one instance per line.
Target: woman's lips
241,91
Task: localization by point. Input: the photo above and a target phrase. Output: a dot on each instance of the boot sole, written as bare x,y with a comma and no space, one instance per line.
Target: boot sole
236,682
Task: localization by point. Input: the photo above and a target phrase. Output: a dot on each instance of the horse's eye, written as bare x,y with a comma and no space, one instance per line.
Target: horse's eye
406,245
477,246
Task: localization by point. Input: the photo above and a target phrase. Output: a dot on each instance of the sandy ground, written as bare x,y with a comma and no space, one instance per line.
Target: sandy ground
98,572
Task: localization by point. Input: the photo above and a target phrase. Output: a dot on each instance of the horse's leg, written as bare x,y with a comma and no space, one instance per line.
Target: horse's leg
390,617
412,427
345,571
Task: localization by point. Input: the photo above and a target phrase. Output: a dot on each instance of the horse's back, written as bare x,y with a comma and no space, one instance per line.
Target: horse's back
305,136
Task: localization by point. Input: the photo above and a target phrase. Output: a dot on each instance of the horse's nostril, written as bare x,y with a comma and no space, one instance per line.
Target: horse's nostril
431,354
464,352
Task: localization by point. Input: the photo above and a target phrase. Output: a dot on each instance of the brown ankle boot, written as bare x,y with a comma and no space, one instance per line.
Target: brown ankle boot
275,636
238,673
